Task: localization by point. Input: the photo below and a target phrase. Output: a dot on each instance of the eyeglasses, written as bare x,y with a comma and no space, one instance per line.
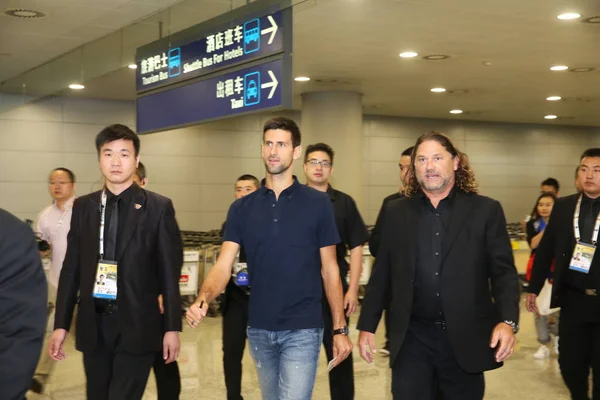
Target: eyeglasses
323,163
59,183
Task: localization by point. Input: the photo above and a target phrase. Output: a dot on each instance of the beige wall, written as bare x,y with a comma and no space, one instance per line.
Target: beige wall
196,166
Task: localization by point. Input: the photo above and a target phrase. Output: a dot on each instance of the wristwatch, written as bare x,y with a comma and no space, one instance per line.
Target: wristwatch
342,331
513,324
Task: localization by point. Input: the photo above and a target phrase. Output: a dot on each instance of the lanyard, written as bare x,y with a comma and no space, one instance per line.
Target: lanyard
102,217
576,224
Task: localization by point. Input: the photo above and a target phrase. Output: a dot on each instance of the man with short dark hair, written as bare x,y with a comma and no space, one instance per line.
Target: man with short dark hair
318,167
550,185
375,238
288,232
569,243
130,236
235,306
455,311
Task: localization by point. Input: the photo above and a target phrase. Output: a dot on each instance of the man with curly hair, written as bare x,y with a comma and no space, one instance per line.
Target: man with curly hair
445,257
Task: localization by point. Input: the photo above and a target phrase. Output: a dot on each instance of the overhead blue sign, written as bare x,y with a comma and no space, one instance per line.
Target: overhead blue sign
247,90
231,44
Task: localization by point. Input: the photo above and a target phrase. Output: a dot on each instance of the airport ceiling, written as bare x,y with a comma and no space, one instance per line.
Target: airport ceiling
493,58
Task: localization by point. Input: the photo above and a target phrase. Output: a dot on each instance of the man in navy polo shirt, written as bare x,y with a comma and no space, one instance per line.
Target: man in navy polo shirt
289,234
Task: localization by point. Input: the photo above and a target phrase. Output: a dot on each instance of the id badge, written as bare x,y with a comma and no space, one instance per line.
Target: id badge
105,286
240,274
581,261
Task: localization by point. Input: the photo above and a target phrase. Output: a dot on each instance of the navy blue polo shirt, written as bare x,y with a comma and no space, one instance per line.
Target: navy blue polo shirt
282,239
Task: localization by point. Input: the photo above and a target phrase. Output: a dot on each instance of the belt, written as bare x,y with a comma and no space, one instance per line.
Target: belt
107,309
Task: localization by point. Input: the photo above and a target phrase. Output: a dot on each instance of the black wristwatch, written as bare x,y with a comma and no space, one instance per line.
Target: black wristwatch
513,325
342,331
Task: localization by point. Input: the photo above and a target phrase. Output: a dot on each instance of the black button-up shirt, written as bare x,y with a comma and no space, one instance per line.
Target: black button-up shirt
587,219
351,228
433,224
282,238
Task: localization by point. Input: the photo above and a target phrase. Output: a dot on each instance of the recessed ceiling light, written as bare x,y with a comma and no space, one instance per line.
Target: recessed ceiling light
550,117
408,54
23,13
76,86
438,90
571,15
302,79
132,66
456,111
553,98
559,68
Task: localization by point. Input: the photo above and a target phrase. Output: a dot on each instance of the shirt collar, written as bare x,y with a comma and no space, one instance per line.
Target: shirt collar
588,200
289,191
68,204
126,195
449,199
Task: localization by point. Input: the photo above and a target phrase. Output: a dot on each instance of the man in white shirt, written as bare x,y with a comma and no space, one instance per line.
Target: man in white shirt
52,227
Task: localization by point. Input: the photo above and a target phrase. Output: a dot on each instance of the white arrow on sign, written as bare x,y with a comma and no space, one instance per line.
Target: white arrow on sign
273,84
272,30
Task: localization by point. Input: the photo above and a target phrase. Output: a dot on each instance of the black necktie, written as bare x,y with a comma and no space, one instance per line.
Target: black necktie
111,236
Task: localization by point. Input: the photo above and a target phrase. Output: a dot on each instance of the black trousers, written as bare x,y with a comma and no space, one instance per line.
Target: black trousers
111,372
426,368
235,321
341,378
168,382
579,344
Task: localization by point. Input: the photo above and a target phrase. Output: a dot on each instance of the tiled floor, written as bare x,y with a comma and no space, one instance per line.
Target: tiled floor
202,371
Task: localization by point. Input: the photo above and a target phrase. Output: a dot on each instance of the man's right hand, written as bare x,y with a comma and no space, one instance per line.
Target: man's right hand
55,348
196,313
366,344
531,303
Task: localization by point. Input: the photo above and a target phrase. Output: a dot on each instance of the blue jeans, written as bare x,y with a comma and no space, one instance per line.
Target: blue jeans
286,361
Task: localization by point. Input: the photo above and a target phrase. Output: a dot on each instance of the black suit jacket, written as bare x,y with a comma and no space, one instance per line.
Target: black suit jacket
480,285
375,238
149,260
23,306
557,243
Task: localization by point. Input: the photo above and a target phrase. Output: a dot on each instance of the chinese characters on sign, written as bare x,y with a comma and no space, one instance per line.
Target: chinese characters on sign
247,40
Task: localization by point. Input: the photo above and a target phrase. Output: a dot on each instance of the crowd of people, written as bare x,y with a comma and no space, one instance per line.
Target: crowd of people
444,277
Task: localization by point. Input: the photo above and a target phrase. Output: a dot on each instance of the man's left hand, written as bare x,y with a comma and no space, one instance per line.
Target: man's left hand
171,346
351,302
503,337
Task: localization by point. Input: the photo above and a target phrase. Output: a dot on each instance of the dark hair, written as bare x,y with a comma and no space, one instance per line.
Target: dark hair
66,171
464,176
285,124
117,132
408,152
325,148
248,177
593,152
534,213
141,171
551,182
